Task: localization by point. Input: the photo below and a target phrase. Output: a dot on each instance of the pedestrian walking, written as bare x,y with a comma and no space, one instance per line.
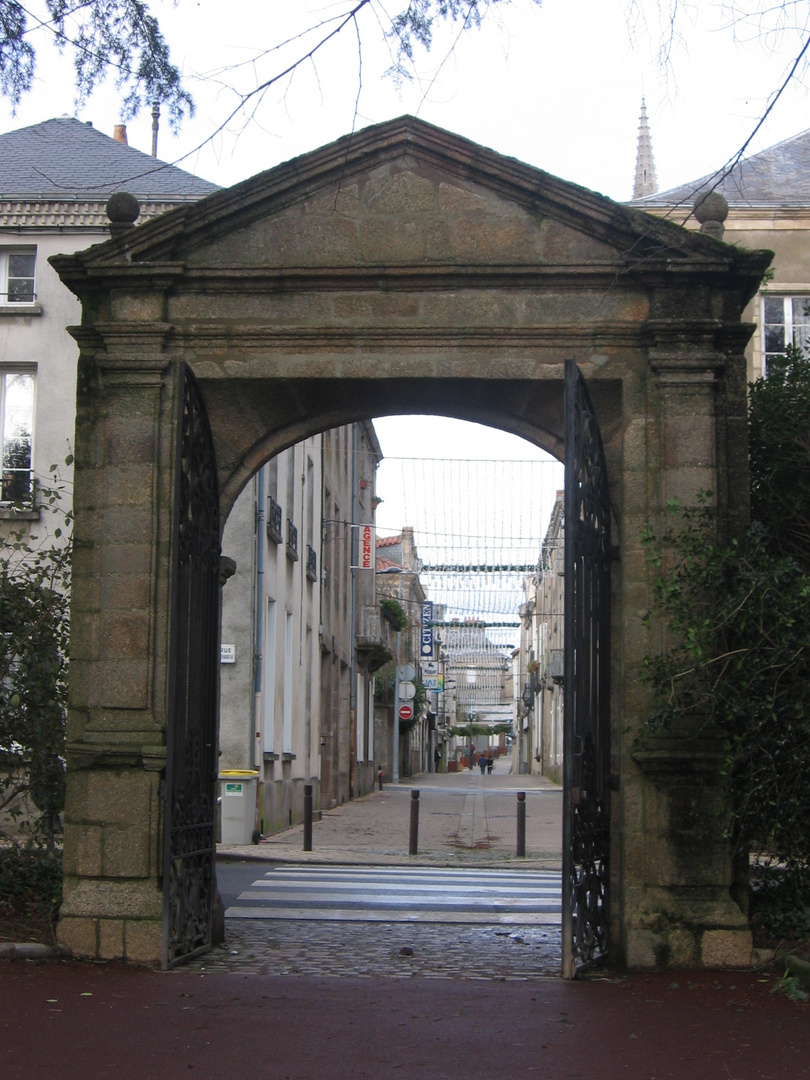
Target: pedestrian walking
482,764
490,764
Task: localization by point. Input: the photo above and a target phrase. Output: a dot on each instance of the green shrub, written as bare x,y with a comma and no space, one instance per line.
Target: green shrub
394,613
30,881
34,627
738,655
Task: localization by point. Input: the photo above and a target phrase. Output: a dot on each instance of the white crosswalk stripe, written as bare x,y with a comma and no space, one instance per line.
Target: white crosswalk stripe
401,894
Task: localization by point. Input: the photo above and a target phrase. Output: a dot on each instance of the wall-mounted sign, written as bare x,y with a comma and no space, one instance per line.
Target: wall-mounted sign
430,668
227,654
366,547
426,636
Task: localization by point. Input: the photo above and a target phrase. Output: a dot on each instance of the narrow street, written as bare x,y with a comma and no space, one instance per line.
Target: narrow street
466,906
465,819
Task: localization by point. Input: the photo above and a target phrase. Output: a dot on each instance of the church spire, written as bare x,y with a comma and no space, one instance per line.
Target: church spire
645,184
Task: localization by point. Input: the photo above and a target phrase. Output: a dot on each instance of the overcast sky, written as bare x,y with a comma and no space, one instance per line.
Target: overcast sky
558,86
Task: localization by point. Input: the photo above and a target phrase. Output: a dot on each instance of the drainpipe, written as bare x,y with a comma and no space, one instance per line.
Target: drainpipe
259,653
395,755
353,534
322,727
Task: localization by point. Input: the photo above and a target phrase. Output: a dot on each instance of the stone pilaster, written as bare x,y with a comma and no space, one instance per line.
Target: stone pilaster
678,904
119,625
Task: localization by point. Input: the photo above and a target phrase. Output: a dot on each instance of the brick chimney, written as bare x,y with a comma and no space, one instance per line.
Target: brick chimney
120,134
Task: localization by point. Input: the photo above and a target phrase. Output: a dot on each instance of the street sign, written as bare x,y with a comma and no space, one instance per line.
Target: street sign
407,691
405,712
430,667
405,672
432,682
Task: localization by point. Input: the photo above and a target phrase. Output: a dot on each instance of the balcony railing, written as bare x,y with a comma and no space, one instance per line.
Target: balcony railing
373,637
274,521
312,563
292,542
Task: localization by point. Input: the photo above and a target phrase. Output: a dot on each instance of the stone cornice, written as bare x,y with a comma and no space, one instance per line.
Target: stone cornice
178,279
604,276
129,339
350,338
129,354
88,754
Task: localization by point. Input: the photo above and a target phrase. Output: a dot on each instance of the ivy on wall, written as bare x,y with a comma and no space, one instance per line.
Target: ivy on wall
738,657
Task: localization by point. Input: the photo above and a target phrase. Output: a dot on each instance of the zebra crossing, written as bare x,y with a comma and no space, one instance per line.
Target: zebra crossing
402,894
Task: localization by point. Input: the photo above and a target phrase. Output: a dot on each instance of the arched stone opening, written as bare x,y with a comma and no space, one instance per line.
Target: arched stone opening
400,270
531,410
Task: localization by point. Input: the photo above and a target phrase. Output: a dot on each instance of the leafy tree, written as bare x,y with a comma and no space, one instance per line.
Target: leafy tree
120,36
738,661
779,435
34,628
123,37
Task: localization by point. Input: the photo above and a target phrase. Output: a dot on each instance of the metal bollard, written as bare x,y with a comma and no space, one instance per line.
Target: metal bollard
521,823
307,817
379,779
413,844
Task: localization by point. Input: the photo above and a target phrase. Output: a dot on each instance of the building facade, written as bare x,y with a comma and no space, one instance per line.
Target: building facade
55,180
765,204
403,741
299,650
538,665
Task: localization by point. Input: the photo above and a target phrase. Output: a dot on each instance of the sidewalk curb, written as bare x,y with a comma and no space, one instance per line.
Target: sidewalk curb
347,858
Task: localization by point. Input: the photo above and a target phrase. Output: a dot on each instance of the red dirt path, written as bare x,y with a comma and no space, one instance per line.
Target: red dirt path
69,1019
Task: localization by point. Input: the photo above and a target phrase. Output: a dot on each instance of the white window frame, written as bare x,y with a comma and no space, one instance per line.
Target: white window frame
7,370
5,253
788,300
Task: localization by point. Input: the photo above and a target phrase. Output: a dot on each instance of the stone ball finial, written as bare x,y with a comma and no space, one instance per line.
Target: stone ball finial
711,210
123,208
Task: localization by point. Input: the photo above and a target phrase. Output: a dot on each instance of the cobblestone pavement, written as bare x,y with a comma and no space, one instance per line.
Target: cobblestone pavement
384,950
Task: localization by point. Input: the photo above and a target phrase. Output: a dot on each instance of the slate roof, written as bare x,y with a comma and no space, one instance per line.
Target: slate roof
778,176
67,159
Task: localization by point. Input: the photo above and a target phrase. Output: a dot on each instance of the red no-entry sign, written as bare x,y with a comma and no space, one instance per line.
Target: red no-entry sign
405,712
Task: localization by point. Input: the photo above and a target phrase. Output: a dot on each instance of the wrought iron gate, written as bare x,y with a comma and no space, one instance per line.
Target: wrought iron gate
191,767
586,739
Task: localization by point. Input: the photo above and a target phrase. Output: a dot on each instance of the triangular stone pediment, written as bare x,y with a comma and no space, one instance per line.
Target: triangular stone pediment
405,194
401,213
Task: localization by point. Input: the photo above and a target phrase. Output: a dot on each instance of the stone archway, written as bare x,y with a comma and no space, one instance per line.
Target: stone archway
402,269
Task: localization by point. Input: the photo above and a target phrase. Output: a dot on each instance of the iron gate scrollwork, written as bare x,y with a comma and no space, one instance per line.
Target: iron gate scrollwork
191,765
586,832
